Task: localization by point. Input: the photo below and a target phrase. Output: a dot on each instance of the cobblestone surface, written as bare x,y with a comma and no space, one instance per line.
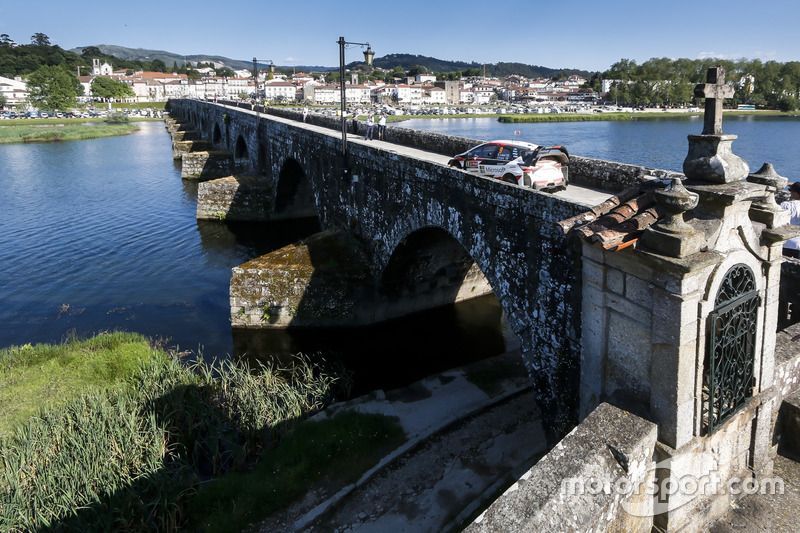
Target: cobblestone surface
764,512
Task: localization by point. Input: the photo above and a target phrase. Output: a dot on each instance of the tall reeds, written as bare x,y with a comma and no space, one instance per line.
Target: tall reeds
130,458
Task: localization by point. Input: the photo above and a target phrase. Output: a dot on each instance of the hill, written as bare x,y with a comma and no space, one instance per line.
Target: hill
433,64
144,54
388,62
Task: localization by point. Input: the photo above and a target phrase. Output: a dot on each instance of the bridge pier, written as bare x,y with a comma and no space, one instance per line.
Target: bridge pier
240,197
206,165
184,146
326,281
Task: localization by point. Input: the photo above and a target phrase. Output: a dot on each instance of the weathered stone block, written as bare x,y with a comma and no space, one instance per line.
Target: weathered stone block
566,490
235,198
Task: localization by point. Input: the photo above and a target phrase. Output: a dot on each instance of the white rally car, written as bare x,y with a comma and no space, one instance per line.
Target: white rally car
523,163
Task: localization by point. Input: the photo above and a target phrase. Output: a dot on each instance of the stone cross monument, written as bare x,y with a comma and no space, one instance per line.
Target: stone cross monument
714,91
710,157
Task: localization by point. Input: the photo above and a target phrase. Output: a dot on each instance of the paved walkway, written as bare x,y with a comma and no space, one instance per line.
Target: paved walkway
777,513
466,443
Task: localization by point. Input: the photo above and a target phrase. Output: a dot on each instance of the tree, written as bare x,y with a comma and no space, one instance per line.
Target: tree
103,87
3,100
416,70
53,88
5,40
40,39
91,51
158,65
398,72
788,103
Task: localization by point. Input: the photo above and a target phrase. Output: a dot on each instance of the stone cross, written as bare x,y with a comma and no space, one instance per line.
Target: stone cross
714,91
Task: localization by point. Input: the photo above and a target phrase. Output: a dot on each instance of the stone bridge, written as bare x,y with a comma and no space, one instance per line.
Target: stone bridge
410,232
678,327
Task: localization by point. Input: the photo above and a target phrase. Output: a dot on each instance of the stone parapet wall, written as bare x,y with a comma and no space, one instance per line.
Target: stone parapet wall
576,486
611,176
785,424
716,462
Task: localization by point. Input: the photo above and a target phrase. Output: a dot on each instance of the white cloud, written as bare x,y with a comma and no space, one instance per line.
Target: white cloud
772,54
714,55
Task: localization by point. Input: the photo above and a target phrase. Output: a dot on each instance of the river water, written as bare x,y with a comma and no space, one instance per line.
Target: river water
101,235
656,143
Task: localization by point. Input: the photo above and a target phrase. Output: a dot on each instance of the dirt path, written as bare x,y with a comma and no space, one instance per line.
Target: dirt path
437,484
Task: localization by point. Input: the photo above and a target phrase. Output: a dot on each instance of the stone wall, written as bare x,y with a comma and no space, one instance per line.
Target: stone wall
596,479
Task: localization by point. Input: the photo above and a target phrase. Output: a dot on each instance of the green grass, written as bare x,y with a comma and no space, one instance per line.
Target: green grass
113,434
339,449
33,377
29,132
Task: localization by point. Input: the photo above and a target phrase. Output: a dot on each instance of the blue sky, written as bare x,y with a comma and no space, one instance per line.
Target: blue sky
578,34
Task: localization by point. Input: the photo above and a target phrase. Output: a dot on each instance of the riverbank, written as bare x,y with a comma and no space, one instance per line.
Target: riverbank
113,433
32,131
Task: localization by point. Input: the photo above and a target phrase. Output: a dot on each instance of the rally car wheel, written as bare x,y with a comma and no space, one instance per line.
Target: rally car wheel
510,178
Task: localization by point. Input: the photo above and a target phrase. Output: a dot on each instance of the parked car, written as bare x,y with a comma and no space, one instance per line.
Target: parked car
522,163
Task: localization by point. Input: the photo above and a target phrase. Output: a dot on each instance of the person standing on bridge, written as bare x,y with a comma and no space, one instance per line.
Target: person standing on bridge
382,126
791,248
370,127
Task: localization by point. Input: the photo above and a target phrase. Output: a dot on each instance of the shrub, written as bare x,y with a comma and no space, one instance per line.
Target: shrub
117,117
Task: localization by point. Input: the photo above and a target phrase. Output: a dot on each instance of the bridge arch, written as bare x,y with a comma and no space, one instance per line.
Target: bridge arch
240,150
486,262
294,193
216,134
433,263
427,259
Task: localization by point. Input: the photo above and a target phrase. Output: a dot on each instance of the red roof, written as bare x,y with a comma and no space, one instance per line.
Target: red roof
619,221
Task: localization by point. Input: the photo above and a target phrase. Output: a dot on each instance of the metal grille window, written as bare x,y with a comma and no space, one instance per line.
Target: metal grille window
728,376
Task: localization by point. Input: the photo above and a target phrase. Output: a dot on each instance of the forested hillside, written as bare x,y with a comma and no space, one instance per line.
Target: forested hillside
768,84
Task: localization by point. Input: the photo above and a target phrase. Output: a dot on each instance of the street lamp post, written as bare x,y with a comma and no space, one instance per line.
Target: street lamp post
368,55
255,73
255,78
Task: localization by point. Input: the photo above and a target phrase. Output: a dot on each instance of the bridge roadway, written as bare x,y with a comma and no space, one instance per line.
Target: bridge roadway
577,194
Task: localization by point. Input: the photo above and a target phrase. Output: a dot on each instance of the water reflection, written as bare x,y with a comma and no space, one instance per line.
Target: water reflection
395,353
